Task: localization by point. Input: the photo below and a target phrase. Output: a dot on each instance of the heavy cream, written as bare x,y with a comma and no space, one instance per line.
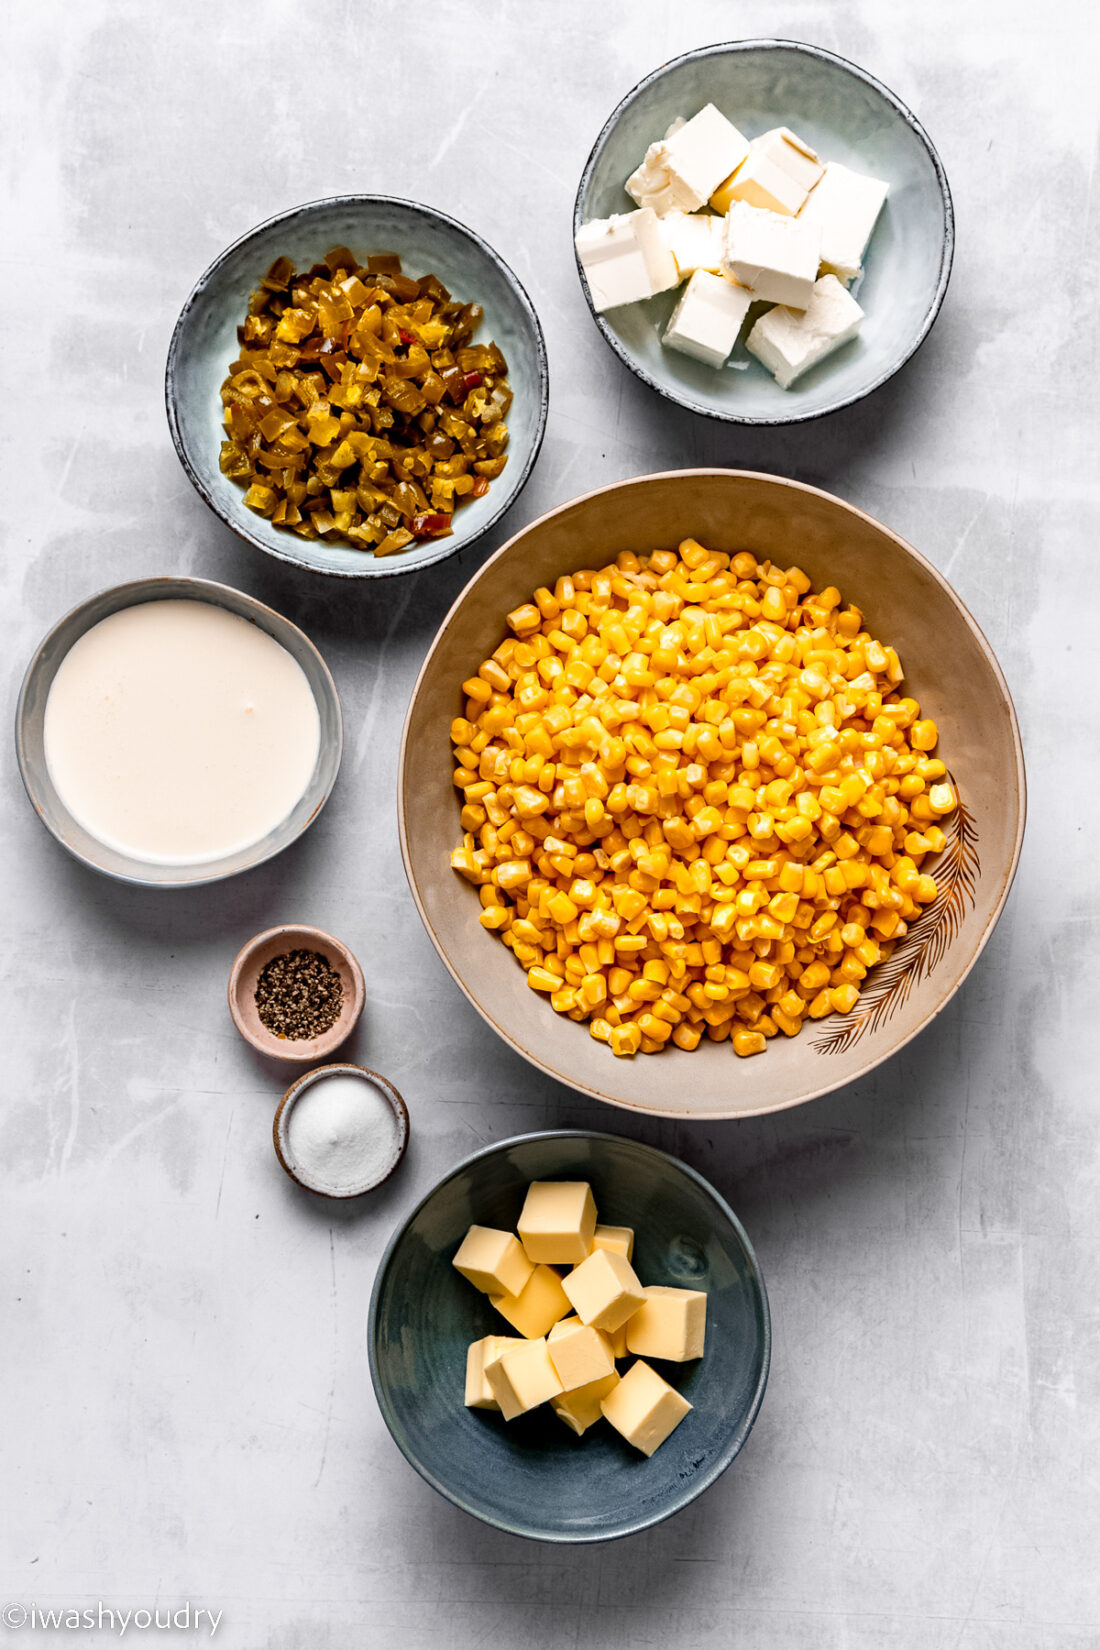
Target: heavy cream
178,732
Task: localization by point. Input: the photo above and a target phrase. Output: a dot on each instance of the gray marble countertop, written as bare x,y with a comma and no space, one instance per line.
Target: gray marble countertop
187,1414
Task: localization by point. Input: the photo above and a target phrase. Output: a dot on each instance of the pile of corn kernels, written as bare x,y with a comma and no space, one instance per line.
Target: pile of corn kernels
694,802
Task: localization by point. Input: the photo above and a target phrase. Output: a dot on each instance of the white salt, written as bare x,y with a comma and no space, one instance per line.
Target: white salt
342,1132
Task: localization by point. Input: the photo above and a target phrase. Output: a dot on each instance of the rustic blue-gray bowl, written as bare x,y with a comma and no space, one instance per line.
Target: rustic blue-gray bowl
205,343
847,116
534,1477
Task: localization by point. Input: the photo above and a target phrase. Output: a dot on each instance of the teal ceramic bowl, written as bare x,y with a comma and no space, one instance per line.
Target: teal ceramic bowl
847,116
205,343
533,1476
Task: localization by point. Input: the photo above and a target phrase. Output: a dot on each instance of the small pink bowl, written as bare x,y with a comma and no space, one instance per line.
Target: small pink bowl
245,973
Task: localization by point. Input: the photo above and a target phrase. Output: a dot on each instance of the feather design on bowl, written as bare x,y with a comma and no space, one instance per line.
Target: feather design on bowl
957,872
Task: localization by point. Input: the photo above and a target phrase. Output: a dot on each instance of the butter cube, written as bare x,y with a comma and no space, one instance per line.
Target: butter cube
670,1323
617,1340
493,1261
696,241
558,1221
604,1289
845,206
537,1307
776,257
579,1353
778,174
625,258
644,1408
791,341
708,318
522,1377
619,1239
479,1394
580,1409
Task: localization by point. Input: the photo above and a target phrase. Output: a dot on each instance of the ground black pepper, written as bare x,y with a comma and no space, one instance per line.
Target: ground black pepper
298,995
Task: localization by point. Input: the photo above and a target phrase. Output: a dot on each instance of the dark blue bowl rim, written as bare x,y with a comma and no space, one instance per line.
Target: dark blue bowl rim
947,250
737,1439
448,547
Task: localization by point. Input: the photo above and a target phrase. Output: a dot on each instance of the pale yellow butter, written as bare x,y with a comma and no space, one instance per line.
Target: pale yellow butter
619,1239
558,1221
604,1289
522,1378
537,1307
479,1394
670,1323
579,1353
580,1409
643,1407
493,1261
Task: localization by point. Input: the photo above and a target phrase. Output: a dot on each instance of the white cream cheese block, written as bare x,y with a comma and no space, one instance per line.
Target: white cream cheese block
682,171
625,258
696,240
708,318
775,256
845,206
791,341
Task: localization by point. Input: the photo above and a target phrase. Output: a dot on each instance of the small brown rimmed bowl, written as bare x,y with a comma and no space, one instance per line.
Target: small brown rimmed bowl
281,1125
245,973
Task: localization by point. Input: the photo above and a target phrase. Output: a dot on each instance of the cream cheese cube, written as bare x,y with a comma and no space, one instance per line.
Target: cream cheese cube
791,341
579,1354
644,1408
778,174
537,1307
696,241
650,184
670,1324
625,259
604,1289
845,206
580,1409
479,1394
708,318
679,173
493,1261
558,1221
620,1239
706,149
774,256
522,1377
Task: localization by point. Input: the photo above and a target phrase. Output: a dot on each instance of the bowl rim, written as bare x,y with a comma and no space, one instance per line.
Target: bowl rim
290,1098
947,250
725,1457
341,1028
183,587
813,1091
387,566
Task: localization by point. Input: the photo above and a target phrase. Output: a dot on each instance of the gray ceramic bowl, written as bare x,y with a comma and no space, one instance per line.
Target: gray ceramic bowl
847,116
205,342
533,1476
32,707
950,669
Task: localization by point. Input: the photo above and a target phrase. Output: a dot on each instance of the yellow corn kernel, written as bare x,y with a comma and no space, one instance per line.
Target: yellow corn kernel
843,998
625,1040
746,1042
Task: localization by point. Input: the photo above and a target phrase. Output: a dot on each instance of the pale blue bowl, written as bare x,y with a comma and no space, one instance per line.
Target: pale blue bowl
205,342
533,1477
847,116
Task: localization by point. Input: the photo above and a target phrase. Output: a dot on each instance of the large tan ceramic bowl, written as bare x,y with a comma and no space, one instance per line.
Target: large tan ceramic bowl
950,670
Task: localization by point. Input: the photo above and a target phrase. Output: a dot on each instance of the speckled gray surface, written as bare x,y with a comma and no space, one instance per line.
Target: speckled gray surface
187,1413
